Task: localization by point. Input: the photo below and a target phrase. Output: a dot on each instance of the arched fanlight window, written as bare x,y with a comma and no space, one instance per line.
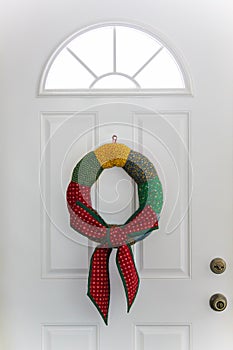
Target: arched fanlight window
113,58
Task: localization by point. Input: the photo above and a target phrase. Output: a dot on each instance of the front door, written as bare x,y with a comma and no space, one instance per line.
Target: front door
187,134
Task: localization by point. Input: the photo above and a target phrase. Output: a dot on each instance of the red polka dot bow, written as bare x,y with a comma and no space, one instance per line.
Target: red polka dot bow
85,220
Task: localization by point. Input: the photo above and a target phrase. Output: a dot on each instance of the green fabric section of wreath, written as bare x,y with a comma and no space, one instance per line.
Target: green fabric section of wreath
87,170
151,193
139,167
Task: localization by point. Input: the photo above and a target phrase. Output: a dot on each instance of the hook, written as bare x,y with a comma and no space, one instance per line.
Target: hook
114,138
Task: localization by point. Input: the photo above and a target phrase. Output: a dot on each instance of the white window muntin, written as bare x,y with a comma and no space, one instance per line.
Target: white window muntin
145,80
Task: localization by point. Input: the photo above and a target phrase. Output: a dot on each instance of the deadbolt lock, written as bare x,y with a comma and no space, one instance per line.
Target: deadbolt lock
218,265
218,302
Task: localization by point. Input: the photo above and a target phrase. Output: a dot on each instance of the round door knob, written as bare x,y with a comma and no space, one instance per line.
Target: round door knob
218,302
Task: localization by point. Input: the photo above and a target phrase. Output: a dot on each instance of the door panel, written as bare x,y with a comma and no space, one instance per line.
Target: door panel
61,150
44,263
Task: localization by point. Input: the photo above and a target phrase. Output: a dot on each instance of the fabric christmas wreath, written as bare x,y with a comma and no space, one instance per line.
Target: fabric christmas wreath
85,220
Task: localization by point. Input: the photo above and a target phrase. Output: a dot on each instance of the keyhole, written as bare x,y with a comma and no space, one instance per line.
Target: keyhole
220,305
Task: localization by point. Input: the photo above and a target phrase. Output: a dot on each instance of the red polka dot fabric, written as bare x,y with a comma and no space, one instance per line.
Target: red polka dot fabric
80,219
85,220
76,192
145,219
98,284
128,273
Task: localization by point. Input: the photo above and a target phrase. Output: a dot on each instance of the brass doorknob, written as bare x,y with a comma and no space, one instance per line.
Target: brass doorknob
218,302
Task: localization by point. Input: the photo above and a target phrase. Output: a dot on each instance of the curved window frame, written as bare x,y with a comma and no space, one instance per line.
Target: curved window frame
187,90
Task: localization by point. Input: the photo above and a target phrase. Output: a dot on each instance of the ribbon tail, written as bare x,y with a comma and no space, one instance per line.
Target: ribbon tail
128,272
98,281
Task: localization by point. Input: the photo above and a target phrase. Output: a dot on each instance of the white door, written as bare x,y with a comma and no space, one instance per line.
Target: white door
188,137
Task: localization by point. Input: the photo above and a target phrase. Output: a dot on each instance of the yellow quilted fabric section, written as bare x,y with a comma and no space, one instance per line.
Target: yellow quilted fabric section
112,154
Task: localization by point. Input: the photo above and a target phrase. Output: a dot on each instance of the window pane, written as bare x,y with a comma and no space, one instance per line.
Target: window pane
133,49
95,48
67,73
114,57
114,82
162,72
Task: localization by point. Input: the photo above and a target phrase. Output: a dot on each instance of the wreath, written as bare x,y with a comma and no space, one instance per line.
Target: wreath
85,220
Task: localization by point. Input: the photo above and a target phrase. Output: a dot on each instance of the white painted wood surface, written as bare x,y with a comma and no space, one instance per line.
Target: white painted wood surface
44,264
